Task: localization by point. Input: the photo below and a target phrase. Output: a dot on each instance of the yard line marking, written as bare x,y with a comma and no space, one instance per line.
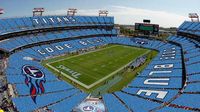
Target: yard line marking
84,53
98,81
93,77
111,74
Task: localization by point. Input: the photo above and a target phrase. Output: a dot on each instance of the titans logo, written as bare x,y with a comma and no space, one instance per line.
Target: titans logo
34,79
88,108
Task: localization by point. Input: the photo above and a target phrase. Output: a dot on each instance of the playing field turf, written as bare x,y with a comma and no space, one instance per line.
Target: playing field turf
93,67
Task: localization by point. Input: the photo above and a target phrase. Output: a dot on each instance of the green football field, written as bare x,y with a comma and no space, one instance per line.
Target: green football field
91,68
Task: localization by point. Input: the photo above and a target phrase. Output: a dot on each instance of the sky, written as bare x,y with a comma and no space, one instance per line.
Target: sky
167,13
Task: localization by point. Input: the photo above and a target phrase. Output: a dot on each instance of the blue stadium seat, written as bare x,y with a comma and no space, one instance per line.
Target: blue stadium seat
68,104
26,104
137,104
113,104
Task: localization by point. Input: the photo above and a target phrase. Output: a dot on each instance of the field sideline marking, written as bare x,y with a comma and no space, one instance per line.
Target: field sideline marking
95,83
68,76
85,74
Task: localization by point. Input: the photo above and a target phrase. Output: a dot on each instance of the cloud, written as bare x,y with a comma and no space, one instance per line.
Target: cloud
56,12
129,15
85,12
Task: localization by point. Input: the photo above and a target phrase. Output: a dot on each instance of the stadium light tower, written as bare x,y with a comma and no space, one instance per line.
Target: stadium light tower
1,11
194,17
38,11
103,13
71,12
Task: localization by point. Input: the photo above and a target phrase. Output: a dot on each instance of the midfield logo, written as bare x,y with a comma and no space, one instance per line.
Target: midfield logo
88,108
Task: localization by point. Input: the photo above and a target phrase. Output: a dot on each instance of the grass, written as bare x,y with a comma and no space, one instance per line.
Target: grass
94,66
130,74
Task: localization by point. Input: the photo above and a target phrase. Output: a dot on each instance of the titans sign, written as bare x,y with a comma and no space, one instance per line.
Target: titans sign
34,79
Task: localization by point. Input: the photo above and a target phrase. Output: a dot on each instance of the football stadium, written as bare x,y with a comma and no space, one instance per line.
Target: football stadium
85,62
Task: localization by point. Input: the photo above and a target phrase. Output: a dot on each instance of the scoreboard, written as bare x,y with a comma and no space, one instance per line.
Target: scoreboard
147,28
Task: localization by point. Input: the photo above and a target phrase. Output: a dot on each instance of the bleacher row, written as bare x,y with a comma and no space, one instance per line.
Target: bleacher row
53,86
130,100
48,92
16,61
163,74
190,27
11,25
192,63
13,43
185,100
